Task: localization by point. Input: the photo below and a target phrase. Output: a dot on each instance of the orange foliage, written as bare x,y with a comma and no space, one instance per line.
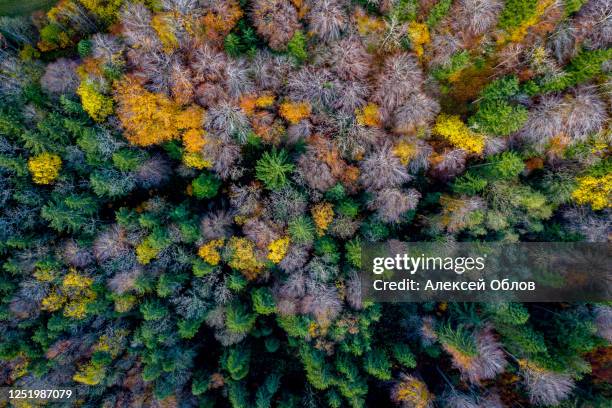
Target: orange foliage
90,66
194,140
247,104
150,118
294,112
220,21
267,128
328,153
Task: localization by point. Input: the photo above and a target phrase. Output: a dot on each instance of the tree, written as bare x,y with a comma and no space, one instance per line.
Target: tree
457,133
495,114
98,106
206,185
327,19
236,361
276,21
296,47
149,118
44,167
273,168
377,363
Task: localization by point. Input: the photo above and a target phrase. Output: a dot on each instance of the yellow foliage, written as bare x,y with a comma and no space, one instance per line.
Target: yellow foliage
149,118
405,151
419,36
89,374
74,296
111,344
322,214
63,41
278,249
594,191
264,101
369,115
28,53
54,301
77,309
412,392
44,274
313,329
210,251
190,118
193,140
74,280
162,24
145,252
125,303
107,10
520,32
76,290
243,257
44,167
456,132
294,112
367,24
98,106
196,161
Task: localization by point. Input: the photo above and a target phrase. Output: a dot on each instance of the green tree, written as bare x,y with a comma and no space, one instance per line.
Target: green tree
206,186
273,169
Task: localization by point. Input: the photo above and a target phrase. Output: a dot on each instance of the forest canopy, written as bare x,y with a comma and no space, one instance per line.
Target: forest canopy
186,187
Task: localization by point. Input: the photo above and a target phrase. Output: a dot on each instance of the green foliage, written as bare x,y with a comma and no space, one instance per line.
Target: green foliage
457,62
296,47
459,338
438,12
336,193
469,184
199,384
206,186
572,6
73,213
84,48
273,169
509,313
263,302
265,393
318,372
239,319
111,183
326,248
127,160
102,273
235,361
404,10
506,165
495,114
377,364
522,339
353,253
348,208
583,67
153,310
242,40
302,230
516,12
402,353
